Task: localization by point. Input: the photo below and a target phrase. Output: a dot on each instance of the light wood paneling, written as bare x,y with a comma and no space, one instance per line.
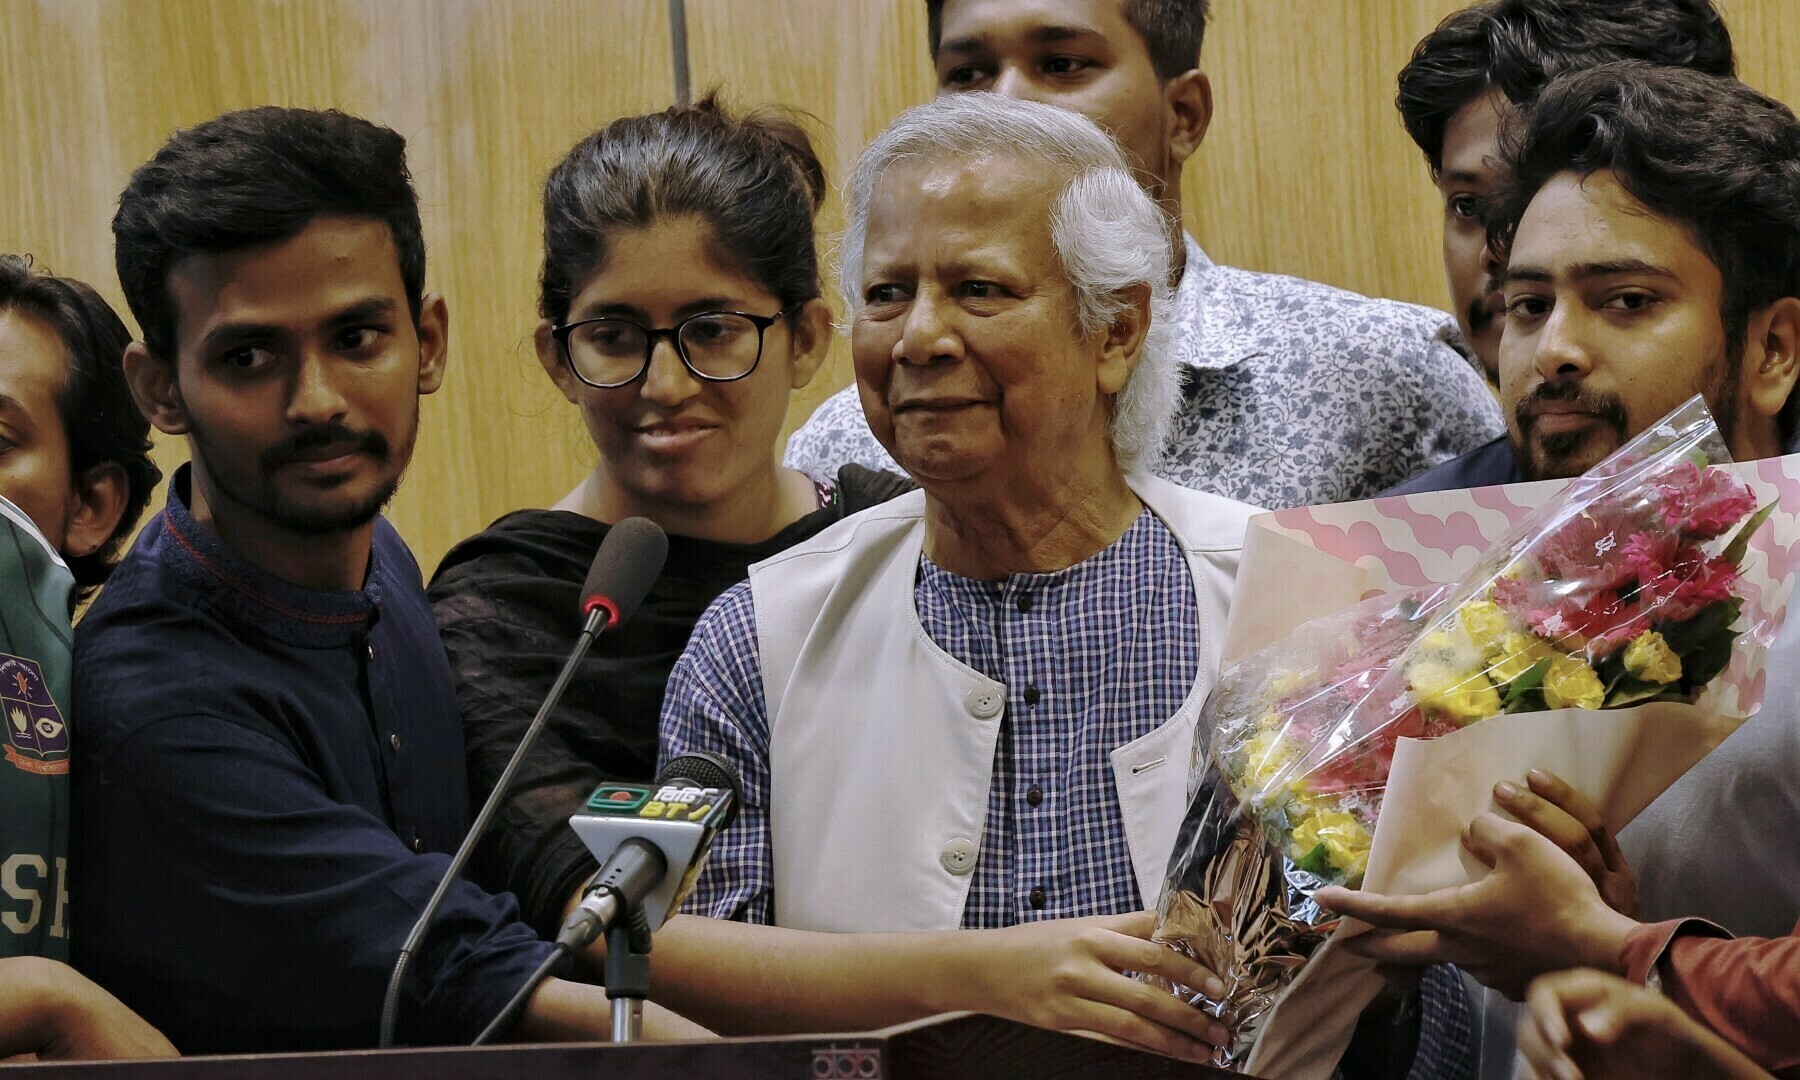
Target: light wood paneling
489,96
1306,170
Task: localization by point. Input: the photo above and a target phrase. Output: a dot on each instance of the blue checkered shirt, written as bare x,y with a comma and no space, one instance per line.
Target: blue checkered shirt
1093,657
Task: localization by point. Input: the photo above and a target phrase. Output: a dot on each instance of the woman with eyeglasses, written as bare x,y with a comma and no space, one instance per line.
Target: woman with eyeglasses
681,306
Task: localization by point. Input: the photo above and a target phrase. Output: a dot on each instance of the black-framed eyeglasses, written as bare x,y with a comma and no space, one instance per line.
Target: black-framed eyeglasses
716,346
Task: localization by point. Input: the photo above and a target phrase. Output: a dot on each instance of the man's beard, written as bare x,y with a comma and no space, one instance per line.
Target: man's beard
257,491
1548,457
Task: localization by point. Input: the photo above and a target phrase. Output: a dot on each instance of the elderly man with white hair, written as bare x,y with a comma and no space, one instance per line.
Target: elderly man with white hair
964,719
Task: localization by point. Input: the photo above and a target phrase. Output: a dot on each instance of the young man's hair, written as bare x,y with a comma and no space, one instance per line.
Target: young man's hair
101,422
1705,151
1517,46
253,178
1173,31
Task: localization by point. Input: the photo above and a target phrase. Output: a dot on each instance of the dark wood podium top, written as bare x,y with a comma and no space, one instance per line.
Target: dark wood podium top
956,1047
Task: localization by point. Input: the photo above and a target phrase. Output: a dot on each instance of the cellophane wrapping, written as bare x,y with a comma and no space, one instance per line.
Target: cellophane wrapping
1624,589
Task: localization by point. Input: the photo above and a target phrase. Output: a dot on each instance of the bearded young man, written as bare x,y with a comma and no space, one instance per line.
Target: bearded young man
1468,79
1652,244
272,773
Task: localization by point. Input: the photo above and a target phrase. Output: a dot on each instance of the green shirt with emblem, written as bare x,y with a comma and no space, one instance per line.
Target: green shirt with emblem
36,654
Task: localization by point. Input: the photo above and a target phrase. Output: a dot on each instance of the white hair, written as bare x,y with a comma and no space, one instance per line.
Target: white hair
1109,235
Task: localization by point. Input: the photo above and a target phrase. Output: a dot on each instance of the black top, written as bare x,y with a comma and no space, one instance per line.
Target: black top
506,603
267,780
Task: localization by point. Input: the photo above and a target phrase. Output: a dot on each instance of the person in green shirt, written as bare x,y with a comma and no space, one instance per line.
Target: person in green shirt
75,473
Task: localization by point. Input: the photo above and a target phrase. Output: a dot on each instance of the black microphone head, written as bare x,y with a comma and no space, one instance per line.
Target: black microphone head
628,563
706,770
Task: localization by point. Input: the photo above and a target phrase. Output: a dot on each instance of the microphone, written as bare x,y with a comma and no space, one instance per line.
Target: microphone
628,563
652,841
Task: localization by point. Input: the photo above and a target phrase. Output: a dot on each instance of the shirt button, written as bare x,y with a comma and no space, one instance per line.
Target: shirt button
1037,899
1031,695
958,856
369,651
394,741
985,702
1034,796
418,843
1024,603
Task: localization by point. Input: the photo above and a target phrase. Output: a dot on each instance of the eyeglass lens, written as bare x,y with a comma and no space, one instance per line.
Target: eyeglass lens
718,345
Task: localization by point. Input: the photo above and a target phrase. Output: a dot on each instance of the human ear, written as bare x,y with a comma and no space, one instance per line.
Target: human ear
100,497
1188,103
812,334
434,342
1771,360
550,359
153,387
1124,343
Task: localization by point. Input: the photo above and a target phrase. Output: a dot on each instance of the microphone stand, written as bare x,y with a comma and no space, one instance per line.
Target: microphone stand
598,616
628,975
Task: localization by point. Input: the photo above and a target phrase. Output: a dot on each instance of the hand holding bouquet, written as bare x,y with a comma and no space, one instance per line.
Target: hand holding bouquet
1625,589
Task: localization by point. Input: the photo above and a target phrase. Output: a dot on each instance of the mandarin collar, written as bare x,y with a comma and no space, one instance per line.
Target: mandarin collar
305,617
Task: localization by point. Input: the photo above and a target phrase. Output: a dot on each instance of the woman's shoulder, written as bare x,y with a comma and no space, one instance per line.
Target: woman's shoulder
545,544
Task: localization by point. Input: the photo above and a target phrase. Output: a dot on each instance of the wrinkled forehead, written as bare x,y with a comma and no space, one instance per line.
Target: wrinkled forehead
978,182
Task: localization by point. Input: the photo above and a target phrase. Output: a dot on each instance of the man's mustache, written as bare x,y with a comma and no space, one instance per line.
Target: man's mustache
325,441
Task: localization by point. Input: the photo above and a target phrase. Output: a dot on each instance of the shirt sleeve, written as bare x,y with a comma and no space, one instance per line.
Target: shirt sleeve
269,895
1745,989
715,703
837,434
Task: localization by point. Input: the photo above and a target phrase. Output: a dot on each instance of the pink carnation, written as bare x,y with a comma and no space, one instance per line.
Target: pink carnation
1702,503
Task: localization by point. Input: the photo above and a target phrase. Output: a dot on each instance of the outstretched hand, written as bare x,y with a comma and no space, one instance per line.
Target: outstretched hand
1069,975
1588,1025
1535,911
1571,822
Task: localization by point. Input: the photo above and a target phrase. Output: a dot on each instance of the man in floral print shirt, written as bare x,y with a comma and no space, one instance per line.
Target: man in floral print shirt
1293,392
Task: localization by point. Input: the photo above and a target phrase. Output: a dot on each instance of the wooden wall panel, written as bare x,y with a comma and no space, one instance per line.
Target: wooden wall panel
1306,170
489,96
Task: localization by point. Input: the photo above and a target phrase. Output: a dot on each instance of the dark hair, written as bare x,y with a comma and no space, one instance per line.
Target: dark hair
1517,46
1702,150
1173,31
753,179
99,418
255,177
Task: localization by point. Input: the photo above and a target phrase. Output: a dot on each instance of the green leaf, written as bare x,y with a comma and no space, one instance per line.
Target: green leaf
1316,862
1734,551
1632,691
1706,661
1714,619
1529,679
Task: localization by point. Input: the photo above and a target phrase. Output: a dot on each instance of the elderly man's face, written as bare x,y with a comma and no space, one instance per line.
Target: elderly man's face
968,355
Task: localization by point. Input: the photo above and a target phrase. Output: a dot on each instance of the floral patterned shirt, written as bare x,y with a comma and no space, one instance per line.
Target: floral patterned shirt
1293,393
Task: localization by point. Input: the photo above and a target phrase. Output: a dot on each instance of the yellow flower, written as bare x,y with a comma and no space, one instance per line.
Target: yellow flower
1571,684
1649,658
1486,624
1464,696
1518,652
1346,841
1265,755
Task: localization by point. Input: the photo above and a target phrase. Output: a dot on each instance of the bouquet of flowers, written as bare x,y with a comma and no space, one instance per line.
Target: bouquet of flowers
1623,590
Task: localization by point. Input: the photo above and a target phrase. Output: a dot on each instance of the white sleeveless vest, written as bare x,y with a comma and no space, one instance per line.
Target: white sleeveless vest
881,745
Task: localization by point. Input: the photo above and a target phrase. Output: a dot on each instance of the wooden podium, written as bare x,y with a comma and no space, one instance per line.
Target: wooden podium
963,1046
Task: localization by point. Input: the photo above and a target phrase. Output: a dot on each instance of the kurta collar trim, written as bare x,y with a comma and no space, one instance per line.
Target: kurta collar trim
1214,328
306,617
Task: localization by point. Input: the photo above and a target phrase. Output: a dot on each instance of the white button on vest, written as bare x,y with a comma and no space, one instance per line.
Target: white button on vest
985,703
959,855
